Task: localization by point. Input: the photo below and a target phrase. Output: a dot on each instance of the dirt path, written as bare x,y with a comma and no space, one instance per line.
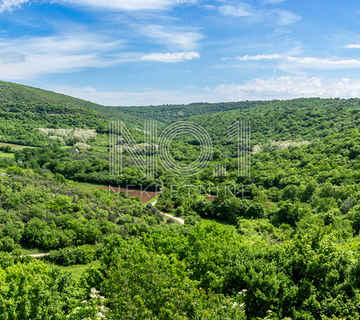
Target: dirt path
35,255
40,255
181,221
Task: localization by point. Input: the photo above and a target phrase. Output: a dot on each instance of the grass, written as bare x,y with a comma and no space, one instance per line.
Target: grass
172,214
14,146
88,185
25,251
7,155
77,269
227,226
151,200
101,149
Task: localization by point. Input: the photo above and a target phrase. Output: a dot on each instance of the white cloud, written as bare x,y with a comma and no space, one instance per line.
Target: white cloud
286,17
242,10
181,38
9,5
30,57
273,1
290,62
116,5
27,58
171,57
288,87
145,97
259,57
353,46
282,17
128,5
324,63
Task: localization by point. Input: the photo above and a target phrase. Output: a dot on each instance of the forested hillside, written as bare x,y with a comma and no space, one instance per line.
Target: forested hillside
23,109
281,243
49,212
299,119
170,113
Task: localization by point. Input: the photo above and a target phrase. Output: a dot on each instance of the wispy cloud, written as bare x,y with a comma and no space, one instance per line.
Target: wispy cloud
273,1
353,46
173,37
304,62
323,63
287,87
144,97
286,17
9,5
282,17
171,57
30,57
241,10
291,87
122,5
27,58
259,57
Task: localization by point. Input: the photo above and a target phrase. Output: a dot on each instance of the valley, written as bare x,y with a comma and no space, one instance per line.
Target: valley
215,244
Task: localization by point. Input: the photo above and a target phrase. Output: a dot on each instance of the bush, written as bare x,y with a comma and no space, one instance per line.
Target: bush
85,254
74,255
14,171
66,256
7,244
179,211
6,260
192,219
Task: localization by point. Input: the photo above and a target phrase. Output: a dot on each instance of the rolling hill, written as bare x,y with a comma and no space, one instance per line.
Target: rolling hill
297,120
24,108
170,113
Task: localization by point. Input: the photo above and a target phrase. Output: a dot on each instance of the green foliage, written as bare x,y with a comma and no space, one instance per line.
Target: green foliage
143,284
171,113
295,120
295,251
94,308
179,211
310,275
44,213
23,109
73,255
35,291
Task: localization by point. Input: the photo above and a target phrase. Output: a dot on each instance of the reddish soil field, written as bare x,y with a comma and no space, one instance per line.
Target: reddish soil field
144,195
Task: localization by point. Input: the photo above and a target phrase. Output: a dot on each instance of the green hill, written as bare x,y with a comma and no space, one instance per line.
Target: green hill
24,108
296,120
171,113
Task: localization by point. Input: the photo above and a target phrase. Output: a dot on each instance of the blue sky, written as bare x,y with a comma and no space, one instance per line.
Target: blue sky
149,52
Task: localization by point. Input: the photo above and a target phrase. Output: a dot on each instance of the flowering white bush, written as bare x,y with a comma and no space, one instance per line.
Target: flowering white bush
81,146
92,309
138,148
277,145
69,136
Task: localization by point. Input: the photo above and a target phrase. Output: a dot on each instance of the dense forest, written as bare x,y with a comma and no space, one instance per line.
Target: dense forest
23,109
281,243
170,113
